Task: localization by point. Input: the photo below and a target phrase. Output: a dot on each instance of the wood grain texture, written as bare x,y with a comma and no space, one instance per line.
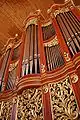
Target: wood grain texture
14,12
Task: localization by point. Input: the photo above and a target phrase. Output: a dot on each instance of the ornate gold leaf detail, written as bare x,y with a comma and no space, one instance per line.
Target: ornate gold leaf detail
66,55
64,106
6,109
45,88
53,42
30,105
62,10
42,68
74,78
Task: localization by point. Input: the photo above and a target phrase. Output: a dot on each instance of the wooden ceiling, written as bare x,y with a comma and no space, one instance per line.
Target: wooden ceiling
14,12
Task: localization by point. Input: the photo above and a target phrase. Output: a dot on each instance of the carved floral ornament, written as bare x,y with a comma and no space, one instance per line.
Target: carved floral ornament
74,77
66,56
30,105
33,18
13,65
61,10
54,12
47,23
31,21
57,9
63,102
53,42
45,88
6,108
43,68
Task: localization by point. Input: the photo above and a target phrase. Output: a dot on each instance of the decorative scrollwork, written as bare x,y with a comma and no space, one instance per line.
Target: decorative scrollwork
45,88
62,10
13,65
74,78
64,106
30,105
53,42
66,55
42,68
32,21
6,109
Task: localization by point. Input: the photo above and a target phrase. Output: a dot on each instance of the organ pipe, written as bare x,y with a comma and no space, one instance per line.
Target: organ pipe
54,58
3,68
31,58
12,72
69,26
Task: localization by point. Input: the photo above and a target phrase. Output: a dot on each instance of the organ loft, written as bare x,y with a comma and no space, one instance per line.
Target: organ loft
40,72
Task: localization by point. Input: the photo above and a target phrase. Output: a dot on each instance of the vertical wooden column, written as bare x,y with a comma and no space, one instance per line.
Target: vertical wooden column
47,103
7,68
14,109
21,55
75,79
46,96
1,60
61,41
76,76
41,46
76,12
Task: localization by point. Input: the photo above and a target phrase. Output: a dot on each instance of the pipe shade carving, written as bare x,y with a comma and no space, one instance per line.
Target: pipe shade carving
64,105
31,103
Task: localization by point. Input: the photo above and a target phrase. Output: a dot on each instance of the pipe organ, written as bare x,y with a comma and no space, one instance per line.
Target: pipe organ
31,57
3,67
70,28
53,59
40,73
13,68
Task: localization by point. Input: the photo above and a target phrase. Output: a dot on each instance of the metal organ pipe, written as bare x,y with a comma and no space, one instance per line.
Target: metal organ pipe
74,37
31,50
3,68
76,26
54,57
70,32
65,34
53,54
31,59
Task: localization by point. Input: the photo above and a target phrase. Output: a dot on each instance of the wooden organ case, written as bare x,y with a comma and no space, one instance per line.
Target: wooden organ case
40,73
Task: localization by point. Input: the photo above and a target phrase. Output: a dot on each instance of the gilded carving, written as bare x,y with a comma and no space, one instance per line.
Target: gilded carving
32,21
74,78
13,65
64,106
0,109
42,68
62,10
53,42
45,88
66,55
6,109
30,105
